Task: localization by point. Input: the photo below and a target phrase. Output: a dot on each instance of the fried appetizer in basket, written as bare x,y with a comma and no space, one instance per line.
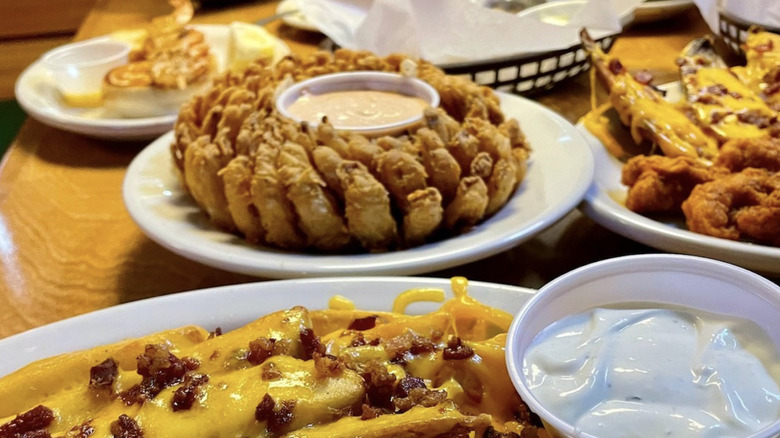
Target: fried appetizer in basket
173,63
293,373
294,186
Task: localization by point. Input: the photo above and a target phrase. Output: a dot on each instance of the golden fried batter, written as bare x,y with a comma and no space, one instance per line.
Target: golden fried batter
743,205
297,186
660,184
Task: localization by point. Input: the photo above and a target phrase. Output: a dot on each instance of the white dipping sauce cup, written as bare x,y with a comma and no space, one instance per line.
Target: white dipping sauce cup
666,279
362,80
79,68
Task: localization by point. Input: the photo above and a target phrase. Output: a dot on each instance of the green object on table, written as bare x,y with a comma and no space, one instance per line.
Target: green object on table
11,118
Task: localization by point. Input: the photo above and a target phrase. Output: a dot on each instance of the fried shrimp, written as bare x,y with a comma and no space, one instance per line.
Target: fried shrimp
738,206
660,184
367,207
738,154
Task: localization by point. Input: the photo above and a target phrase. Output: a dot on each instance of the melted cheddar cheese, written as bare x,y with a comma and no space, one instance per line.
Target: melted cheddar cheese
294,373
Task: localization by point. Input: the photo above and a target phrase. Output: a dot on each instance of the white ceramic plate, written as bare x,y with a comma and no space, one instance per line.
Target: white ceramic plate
37,95
560,170
604,203
654,10
293,17
229,307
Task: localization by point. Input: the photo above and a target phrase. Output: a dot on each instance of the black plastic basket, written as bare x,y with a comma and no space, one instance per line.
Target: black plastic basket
734,31
529,74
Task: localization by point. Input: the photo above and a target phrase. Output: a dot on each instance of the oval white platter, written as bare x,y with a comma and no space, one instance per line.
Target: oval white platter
229,307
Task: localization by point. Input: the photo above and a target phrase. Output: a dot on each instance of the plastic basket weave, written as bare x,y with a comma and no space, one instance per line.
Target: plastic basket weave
529,74
734,31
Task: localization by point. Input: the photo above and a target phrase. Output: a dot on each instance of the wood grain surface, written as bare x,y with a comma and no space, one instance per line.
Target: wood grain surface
67,245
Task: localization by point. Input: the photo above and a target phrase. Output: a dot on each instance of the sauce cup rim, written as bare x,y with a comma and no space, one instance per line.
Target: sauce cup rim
526,324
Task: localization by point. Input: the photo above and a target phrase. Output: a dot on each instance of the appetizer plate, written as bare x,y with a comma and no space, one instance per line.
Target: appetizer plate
229,307
604,203
37,95
655,10
560,170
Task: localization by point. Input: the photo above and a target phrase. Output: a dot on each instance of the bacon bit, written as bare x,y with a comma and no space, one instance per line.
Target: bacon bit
126,427
160,369
380,385
184,397
615,66
407,384
217,332
265,408
81,431
260,349
523,415
32,423
362,324
408,342
270,372
755,118
717,90
311,343
276,419
282,417
766,47
327,365
419,396
456,350
369,412
101,376
644,77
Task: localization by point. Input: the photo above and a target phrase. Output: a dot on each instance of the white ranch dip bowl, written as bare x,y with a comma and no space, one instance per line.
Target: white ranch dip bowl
657,280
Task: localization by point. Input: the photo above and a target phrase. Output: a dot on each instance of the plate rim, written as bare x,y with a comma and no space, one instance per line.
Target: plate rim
416,260
34,344
600,207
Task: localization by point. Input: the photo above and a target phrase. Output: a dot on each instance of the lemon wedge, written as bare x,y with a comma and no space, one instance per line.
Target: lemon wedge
134,37
248,42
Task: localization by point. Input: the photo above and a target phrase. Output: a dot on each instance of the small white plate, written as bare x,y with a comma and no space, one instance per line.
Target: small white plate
560,170
652,10
229,307
605,204
294,19
37,95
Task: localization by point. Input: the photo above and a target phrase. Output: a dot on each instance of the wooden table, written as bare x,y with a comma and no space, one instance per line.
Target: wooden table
67,245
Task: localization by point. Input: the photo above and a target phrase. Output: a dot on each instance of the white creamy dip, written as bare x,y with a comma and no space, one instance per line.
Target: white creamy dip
656,372
357,108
